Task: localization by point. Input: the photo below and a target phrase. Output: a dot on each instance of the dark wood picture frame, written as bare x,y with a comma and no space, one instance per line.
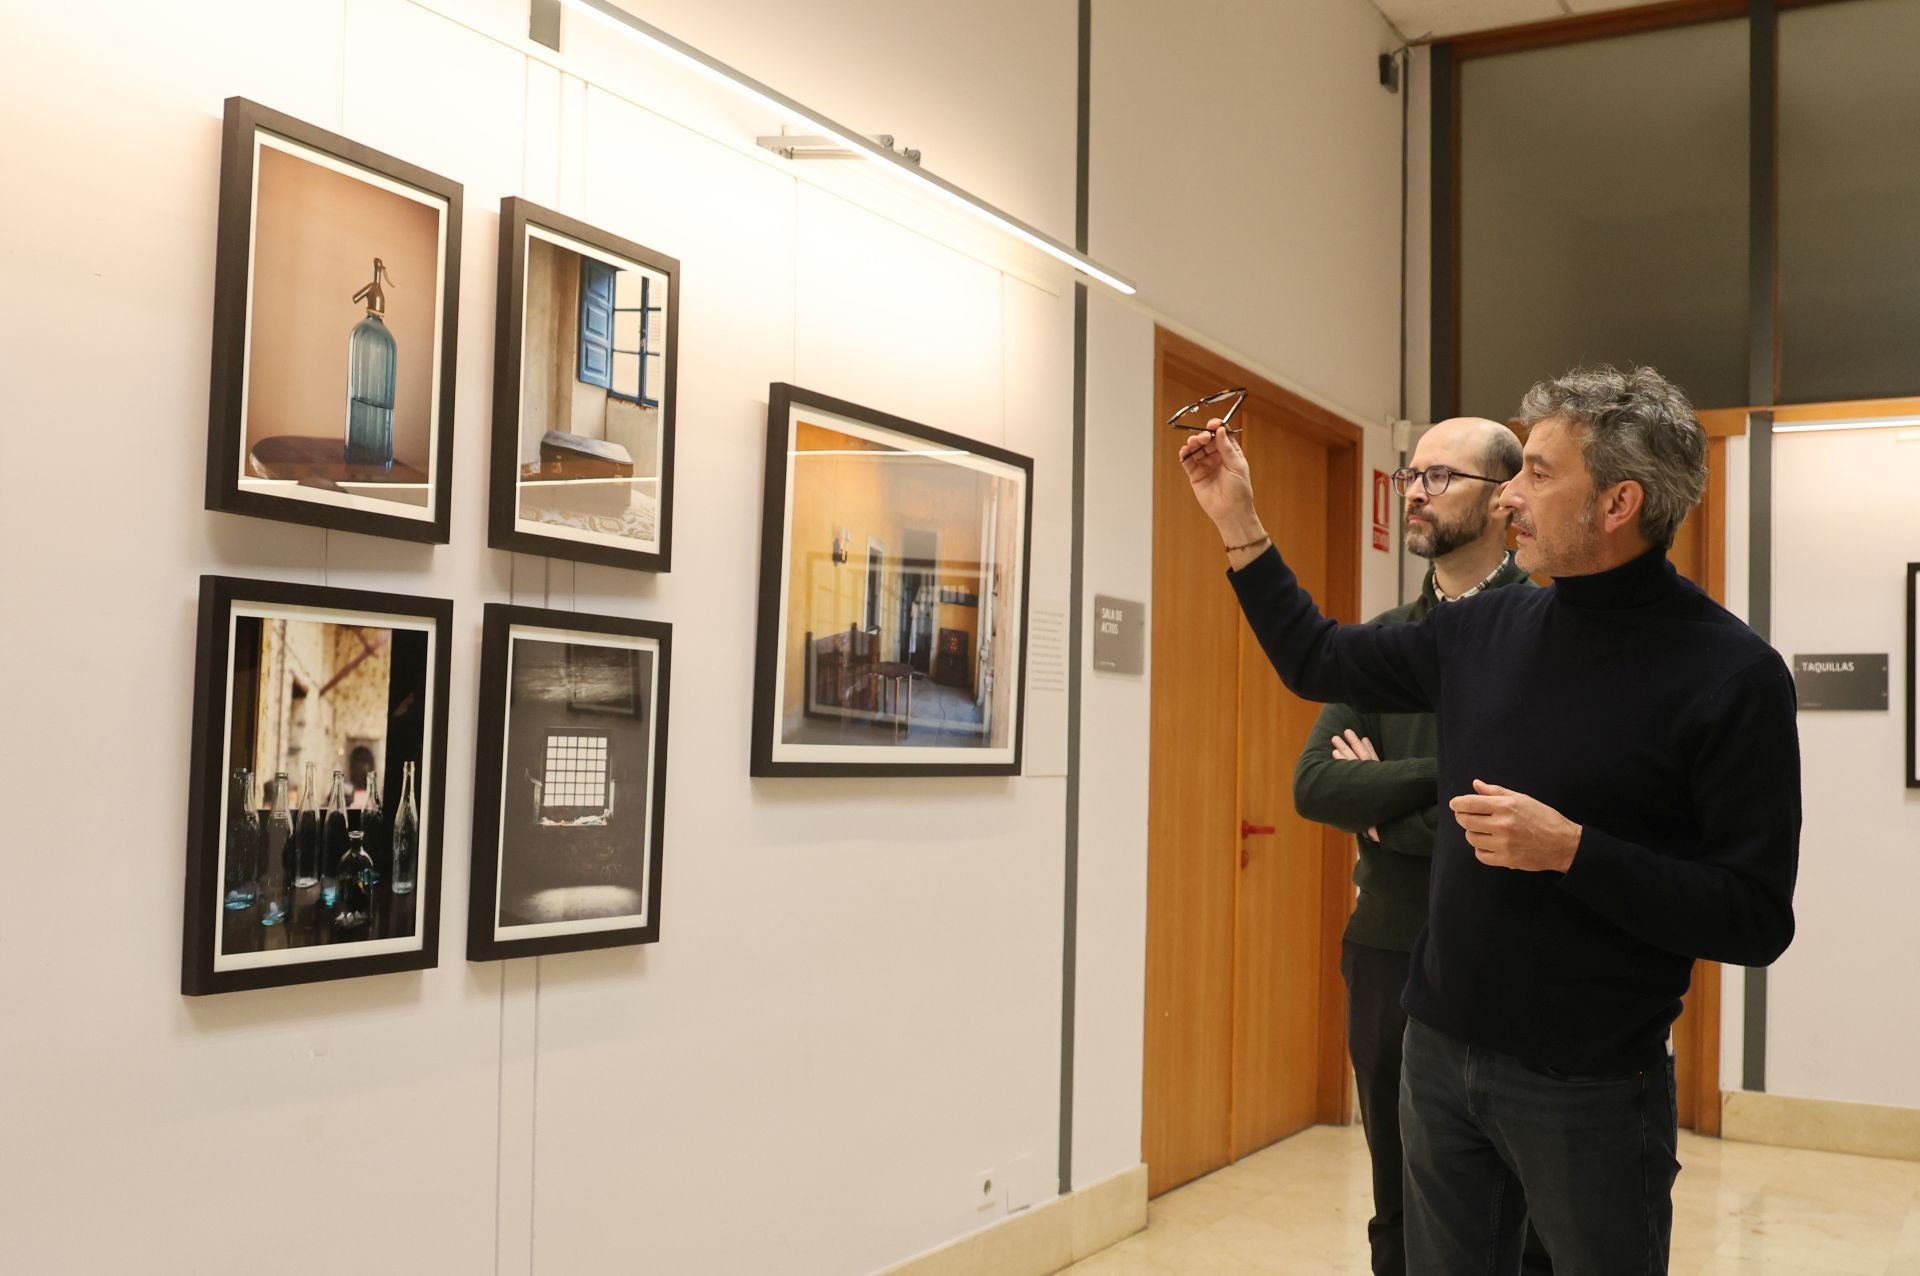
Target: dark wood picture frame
504,530
1913,671
214,708
490,758
233,283
891,760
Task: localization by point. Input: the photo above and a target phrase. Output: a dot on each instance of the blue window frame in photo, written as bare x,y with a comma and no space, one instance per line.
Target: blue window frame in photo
599,310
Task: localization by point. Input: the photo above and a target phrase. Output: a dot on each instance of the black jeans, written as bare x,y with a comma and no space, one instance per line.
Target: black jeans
1376,1024
1594,1155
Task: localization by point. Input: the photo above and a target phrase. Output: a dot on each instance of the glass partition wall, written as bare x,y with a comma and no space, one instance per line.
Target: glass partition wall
1605,205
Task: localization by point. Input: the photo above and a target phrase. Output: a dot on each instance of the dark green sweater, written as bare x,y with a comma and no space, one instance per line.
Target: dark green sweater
1397,795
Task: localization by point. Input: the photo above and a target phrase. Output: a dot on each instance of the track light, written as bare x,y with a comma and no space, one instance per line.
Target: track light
820,129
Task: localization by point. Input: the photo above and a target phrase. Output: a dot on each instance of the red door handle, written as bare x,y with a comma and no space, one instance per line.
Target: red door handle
1248,830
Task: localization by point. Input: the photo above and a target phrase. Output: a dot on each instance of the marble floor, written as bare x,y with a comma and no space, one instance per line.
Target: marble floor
1740,1209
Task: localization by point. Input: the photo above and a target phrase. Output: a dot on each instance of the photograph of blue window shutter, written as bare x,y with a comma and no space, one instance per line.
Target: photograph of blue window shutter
596,323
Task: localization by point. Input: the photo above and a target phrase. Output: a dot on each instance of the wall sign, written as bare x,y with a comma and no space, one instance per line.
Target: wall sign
1119,635
1846,681
1382,509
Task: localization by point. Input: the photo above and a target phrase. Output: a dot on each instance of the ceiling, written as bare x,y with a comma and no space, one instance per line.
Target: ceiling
1432,19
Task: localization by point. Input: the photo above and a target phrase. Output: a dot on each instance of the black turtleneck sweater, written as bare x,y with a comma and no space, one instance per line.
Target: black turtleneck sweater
1636,707
1396,795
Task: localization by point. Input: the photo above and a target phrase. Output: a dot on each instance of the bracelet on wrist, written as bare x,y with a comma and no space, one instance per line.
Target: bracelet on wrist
1261,539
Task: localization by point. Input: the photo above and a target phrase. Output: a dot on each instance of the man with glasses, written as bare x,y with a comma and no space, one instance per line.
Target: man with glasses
1372,774
1620,761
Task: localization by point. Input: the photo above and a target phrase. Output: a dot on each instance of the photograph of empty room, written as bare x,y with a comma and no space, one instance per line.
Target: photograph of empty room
901,609
591,418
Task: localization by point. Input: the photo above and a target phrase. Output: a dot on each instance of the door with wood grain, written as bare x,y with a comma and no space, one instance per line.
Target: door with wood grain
1245,1033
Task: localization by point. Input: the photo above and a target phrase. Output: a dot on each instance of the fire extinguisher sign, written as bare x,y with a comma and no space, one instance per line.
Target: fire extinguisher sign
1382,509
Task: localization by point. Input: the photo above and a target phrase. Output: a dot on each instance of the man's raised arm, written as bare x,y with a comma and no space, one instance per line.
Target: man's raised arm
1390,667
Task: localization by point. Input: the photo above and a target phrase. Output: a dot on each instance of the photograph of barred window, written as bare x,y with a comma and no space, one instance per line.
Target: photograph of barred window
570,783
313,840
892,596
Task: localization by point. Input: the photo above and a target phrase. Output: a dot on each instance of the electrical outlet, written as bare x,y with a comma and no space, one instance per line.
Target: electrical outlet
987,1190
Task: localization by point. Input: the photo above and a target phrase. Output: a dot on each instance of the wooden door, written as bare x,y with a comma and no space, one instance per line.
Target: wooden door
1699,553
1244,1032
1279,924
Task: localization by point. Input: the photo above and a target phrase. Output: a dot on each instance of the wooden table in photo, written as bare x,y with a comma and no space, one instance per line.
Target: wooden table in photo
322,463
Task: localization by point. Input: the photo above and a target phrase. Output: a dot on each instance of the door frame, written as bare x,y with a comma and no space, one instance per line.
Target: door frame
1345,443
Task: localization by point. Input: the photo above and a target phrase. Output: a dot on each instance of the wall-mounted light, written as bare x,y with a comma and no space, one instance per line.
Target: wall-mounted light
823,129
840,538
1868,423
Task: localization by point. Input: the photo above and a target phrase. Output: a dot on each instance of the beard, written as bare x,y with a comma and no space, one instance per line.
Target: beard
1573,552
1435,537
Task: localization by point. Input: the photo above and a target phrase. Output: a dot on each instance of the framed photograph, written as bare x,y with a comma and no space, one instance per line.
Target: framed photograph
318,765
1913,672
336,295
585,377
893,608
570,781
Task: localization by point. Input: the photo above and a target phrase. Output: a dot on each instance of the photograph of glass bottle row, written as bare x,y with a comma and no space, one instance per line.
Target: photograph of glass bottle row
322,819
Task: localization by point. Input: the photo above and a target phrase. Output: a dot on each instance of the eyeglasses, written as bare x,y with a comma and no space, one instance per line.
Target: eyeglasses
1434,478
1173,421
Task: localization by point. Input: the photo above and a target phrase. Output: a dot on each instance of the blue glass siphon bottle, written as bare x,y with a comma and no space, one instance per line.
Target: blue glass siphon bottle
371,363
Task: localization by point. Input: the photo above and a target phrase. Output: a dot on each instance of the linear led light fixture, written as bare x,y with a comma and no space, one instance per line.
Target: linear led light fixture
685,54
1868,423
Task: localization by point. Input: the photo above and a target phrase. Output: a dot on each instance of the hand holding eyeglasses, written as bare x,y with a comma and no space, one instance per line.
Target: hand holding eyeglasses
1175,421
1222,483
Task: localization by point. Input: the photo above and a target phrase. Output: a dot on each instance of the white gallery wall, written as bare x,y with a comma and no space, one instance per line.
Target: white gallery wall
1840,1008
855,1006
1246,175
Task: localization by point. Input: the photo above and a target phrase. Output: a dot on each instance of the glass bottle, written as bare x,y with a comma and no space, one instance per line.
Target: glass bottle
371,361
306,832
243,843
333,837
279,853
373,822
352,899
406,836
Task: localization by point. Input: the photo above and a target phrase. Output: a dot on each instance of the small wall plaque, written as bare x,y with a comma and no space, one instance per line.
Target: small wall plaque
1119,635
1845,681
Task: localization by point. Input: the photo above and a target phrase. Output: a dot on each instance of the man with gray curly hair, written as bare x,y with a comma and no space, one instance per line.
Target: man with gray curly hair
1630,428
1620,758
